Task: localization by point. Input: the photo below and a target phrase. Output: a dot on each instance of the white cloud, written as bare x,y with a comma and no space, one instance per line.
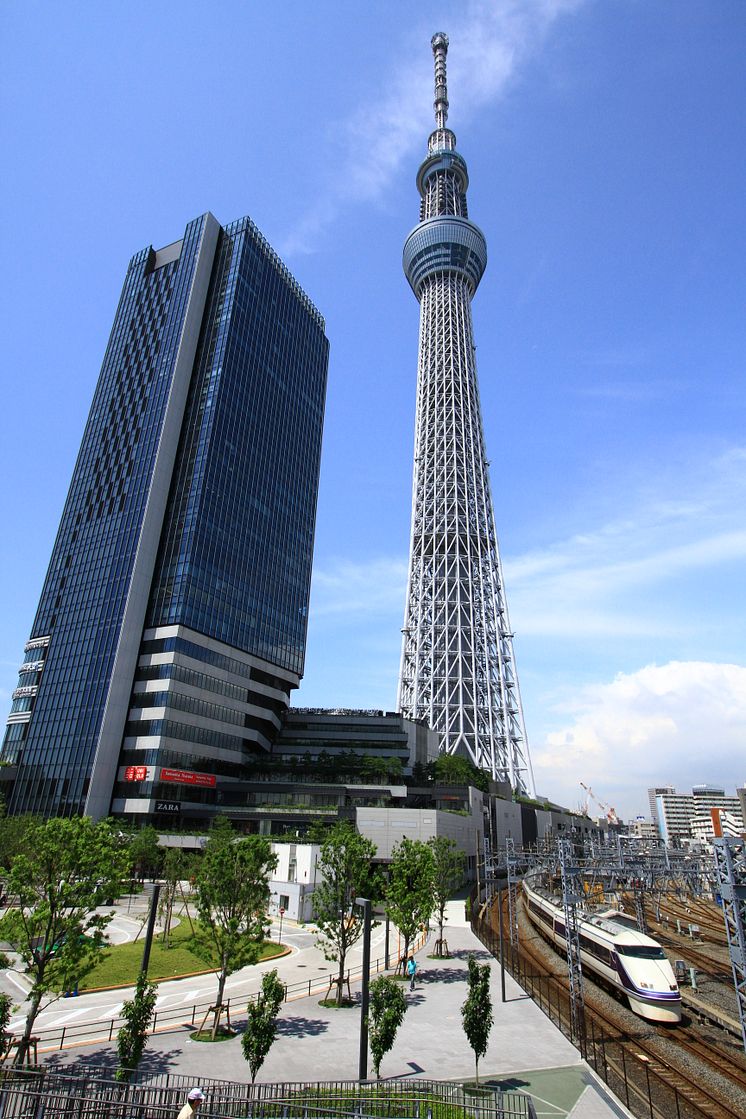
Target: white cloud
359,590
614,577
492,40
681,723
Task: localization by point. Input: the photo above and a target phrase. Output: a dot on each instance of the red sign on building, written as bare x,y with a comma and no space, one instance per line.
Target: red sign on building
188,777
136,773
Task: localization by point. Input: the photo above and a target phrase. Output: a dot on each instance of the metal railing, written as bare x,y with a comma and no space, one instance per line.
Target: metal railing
43,1093
615,1059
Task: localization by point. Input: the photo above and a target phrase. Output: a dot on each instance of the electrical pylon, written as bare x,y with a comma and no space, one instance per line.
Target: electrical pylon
457,668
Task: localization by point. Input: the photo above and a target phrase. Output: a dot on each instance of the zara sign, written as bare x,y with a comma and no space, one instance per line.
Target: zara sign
168,807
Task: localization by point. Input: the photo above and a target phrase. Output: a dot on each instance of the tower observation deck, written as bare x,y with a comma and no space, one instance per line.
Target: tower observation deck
457,668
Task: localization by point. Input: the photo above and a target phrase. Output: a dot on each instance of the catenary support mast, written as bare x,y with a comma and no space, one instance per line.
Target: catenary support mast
457,668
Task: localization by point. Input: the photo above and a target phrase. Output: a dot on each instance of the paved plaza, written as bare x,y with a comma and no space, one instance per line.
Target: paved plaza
526,1051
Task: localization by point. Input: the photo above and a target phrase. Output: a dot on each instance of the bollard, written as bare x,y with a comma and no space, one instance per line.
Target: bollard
693,977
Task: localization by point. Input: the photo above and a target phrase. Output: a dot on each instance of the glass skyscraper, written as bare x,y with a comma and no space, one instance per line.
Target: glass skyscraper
172,622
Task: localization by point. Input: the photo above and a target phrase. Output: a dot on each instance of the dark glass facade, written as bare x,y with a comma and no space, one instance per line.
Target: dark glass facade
235,558
192,504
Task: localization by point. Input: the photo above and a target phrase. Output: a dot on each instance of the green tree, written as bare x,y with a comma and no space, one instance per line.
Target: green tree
133,1035
451,769
420,774
177,866
345,873
381,769
375,768
68,869
448,873
476,1012
145,854
232,896
14,832
317,831
410,898
261,1025
6,1009
388,1006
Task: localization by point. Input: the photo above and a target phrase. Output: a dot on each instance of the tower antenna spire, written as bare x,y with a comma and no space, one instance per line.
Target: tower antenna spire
439,43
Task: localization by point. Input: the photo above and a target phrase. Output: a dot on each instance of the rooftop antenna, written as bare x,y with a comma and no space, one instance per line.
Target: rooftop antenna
439,43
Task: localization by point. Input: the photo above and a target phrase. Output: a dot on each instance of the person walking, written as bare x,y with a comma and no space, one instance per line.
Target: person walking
192,1106
411,971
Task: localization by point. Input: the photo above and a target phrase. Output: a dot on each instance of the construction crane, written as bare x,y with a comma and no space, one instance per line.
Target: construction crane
611,815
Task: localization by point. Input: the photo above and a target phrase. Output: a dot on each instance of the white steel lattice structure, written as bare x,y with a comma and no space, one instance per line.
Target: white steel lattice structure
457,669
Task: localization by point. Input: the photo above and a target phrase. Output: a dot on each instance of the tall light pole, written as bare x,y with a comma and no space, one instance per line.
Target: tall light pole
364,903
151,928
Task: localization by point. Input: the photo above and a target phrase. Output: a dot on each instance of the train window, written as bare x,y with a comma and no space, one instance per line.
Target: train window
641,951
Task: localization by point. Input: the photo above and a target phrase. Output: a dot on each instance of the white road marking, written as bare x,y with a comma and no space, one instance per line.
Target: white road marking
191,996
17,983
60,1021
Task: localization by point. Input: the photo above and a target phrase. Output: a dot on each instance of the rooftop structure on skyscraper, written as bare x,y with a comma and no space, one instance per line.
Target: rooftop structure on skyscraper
457,667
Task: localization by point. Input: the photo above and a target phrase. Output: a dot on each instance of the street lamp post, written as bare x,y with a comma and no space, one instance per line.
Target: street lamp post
364,903
151,928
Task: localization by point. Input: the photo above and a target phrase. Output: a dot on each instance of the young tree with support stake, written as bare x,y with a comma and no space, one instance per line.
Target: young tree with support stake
133,1035
448,872
410,898
261,1025
345,872
6,1009
176,867
232,896
68,869
476,1012
388,1005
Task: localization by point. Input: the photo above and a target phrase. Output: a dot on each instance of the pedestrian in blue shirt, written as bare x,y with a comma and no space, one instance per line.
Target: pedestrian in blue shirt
411,971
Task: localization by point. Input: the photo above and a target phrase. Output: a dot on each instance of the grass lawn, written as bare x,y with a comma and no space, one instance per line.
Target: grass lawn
378,1100
121,962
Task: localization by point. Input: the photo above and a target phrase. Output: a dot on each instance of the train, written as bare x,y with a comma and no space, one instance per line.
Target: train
613,949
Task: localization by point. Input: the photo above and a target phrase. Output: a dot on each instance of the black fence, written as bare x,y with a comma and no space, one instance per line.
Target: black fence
616,1059
40,1093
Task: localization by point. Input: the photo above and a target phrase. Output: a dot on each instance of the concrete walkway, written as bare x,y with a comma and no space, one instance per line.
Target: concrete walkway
526,1052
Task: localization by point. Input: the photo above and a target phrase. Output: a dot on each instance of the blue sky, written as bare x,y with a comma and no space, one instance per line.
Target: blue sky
605,142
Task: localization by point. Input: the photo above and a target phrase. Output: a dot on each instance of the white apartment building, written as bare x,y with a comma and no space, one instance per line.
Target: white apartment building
294,881
677,813
703,831
643,828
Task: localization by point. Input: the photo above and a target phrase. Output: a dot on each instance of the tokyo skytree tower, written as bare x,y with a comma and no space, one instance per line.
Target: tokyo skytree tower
457,669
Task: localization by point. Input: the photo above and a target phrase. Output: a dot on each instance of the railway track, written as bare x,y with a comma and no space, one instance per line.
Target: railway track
715,969
693,912
733,1067
651,1054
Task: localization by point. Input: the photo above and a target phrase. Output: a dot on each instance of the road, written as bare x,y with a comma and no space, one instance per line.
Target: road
304,962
